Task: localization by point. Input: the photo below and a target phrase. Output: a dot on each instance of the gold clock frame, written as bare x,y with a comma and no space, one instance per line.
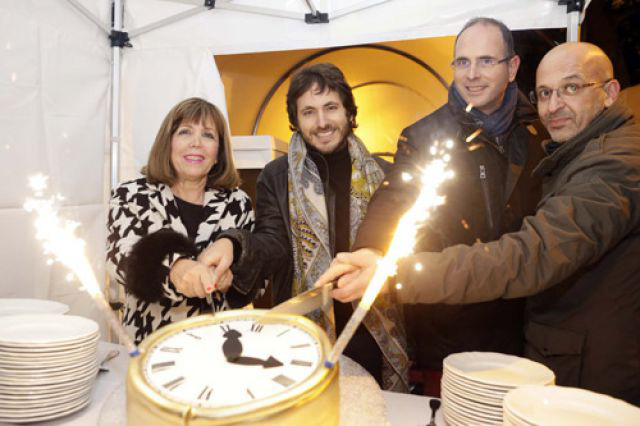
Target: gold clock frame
316,400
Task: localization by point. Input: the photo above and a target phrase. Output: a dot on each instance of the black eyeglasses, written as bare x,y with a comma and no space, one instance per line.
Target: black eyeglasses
484,62
543,94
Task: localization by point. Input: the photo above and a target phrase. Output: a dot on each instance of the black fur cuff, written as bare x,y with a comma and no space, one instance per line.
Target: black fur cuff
144,269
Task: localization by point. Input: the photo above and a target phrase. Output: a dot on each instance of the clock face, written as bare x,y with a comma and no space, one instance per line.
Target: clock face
232,361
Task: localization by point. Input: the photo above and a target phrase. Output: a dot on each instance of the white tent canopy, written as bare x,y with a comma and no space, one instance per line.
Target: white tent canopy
56,82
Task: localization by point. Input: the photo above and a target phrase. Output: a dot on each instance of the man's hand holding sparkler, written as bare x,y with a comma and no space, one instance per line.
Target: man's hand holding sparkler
352,273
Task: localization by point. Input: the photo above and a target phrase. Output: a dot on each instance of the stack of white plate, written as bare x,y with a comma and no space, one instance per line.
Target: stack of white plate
557,405
47,365
474,385
11,306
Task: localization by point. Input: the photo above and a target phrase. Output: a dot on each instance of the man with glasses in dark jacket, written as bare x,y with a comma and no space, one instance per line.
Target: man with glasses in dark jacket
577,258
497,142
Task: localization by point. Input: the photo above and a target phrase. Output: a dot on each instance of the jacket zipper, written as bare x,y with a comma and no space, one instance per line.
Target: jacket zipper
485,191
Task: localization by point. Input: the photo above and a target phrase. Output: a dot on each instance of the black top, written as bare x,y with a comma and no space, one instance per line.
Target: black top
336,169
191,215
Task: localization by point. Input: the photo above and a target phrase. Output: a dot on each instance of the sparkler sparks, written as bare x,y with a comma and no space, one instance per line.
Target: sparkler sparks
59,241
433,175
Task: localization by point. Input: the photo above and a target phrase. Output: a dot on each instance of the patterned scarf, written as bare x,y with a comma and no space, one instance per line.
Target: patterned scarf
312,252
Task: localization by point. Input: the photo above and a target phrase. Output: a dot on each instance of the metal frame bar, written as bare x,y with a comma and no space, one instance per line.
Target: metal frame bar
356,8
170,20
86,12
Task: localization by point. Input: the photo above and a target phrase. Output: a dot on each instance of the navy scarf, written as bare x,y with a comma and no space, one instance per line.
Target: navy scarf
499,121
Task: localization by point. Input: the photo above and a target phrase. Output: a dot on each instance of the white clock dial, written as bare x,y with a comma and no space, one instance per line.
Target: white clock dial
231,362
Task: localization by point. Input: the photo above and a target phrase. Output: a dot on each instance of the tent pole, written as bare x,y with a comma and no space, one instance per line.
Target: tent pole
574,9
115,97
573,23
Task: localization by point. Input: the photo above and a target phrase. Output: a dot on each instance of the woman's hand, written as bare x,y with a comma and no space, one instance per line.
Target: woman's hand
192,278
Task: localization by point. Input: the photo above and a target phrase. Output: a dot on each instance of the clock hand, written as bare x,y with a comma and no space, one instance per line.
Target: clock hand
232,349
232,346
249,360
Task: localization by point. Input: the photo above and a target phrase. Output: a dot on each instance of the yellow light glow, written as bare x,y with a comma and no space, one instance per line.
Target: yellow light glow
58,237
59,241
404,238
402,245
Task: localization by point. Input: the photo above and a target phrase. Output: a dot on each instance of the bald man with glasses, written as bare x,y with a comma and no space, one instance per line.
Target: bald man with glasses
492,193
577,260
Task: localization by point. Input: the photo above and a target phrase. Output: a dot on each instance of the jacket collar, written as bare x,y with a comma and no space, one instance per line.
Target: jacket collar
608,120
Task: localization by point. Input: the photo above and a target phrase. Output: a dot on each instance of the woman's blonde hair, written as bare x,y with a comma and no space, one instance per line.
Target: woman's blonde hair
193,110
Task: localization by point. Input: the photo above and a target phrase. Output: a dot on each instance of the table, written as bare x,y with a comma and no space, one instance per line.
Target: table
402,409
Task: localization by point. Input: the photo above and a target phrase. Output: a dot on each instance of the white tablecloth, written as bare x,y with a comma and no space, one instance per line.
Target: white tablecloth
402,409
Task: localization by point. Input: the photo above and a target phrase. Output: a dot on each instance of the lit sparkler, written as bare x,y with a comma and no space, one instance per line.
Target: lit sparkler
403,241
59,240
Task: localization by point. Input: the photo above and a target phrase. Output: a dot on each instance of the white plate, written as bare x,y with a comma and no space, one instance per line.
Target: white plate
7,353
23,414
466,420
493,390
45,329
49,371
31,306
465,401
570,407
467,410
42,402
78,375
43,389
51,416
507,415
472,393
34,348
53,395
45,361
498,369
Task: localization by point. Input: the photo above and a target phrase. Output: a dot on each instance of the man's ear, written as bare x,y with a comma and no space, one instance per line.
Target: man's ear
612,90
514,64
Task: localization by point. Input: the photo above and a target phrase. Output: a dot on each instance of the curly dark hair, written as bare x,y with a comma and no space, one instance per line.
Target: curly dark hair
325,76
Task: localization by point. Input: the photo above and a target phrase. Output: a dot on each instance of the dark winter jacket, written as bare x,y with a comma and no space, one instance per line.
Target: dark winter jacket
578,258
491,193
271,237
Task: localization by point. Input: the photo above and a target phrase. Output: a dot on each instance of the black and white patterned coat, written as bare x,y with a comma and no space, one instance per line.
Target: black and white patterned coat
146,236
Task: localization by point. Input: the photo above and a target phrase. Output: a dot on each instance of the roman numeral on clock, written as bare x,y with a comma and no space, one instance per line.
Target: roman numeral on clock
174,383
256,328
301,363
172,350
283,380
159,366
206,393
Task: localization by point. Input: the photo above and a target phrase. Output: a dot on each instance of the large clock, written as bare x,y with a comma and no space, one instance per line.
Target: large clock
234,367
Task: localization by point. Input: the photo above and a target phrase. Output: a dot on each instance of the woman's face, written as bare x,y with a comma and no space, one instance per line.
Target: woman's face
194,150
